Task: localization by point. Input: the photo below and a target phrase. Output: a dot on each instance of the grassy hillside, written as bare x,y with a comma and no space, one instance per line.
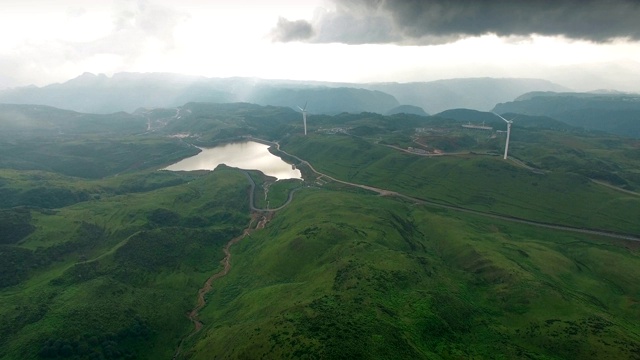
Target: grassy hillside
46,120
82,145
113,278
614,113
472,93
102,255
361,276
475,182
92,158
209,124
102,94
324,100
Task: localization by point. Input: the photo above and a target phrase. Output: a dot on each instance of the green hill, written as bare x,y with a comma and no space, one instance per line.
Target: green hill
325,100
112,277
369,277
407,109
614,113
103,94
478,117
472,93
472,181
121,92
425,255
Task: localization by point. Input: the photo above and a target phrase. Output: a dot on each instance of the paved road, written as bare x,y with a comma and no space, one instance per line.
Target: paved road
251,196
385,192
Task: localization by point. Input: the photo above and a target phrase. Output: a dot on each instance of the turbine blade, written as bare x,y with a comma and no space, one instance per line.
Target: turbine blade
305,106
501,117
301,109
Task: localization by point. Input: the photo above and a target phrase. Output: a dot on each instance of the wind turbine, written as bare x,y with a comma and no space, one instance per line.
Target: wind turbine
506,146
304,117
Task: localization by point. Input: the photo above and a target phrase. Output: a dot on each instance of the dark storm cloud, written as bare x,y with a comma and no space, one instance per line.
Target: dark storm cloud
441,21
287,30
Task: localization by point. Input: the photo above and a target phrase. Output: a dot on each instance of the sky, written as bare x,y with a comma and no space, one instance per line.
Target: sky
581,44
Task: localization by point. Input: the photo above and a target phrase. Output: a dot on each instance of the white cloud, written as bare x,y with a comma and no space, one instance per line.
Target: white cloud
43,42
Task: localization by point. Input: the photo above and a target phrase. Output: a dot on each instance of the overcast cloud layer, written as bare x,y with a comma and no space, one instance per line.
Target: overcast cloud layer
426,22
584,44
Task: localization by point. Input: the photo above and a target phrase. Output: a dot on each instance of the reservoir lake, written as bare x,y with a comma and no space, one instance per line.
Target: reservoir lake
248,155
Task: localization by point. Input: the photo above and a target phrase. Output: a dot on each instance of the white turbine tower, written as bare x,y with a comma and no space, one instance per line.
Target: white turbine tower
304,117
506,146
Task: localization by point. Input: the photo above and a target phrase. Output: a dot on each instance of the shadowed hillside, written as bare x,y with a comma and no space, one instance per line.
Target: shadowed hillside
614,113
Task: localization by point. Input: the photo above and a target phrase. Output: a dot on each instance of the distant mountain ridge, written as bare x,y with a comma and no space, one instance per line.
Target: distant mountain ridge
129,91
122,92
616,113
407,109
470,93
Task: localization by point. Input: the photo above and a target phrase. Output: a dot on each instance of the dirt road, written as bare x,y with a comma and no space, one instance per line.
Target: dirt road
258,221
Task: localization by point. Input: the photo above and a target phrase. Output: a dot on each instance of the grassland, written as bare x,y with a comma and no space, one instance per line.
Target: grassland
102,256
473,181
114,277
371,277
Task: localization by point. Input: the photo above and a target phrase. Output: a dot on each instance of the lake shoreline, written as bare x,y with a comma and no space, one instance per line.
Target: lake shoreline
248,154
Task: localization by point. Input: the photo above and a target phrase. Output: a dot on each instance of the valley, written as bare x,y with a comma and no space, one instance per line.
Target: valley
378,252
319,180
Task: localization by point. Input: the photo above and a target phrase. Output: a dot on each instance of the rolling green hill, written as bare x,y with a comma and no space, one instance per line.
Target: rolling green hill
325,100
407,109
103,256
46,121
369,277
478,117
472,93
112,277
614,113
103,94
497,186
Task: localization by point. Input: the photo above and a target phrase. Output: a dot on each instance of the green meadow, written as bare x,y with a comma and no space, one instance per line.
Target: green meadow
363,276
102,253
114,277
479,182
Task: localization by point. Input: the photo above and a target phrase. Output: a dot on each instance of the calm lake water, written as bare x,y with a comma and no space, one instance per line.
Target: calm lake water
248,155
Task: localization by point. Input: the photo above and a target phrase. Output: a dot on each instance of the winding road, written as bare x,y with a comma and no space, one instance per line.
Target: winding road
252,196
384,192
265,215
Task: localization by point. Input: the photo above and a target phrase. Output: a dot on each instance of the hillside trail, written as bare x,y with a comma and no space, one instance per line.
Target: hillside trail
260,220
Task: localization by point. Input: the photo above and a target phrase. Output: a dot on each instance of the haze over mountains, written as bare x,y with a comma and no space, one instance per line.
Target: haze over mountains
610,111
103,253
470,93
129,91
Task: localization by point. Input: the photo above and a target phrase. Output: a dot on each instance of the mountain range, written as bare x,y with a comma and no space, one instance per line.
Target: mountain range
613,112
129,91
386,249
609,111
